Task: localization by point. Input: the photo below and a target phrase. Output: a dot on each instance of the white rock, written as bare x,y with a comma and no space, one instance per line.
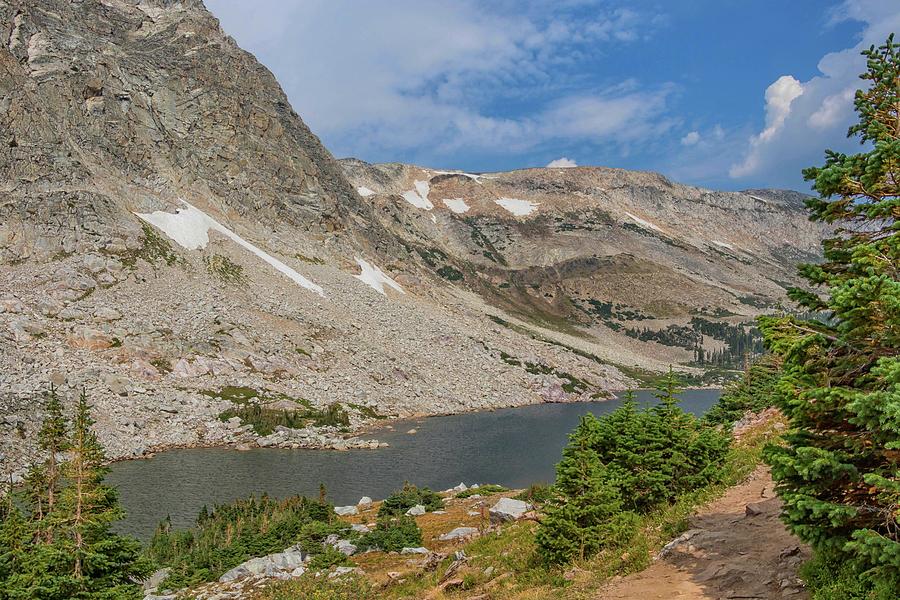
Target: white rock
364,501
459,532
416,511
419,550
346,511
508,509
104,313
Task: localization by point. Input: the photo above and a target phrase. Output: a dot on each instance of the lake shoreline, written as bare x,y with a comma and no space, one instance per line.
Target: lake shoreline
370,428
514,447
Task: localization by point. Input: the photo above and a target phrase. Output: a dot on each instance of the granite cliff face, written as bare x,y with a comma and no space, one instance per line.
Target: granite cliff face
174,240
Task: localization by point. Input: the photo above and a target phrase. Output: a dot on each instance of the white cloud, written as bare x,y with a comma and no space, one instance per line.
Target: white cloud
690,138
805,117
413,77
779,97
562,163
834,109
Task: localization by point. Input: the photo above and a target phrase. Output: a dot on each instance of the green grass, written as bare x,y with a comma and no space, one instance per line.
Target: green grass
252,407
224,268
366,411
311,587
232,533
155,248
573,384
484,490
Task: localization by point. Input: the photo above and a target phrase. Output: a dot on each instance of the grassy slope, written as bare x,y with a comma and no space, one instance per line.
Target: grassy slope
503,564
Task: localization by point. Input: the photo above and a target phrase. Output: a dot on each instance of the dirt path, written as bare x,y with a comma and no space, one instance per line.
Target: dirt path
737,548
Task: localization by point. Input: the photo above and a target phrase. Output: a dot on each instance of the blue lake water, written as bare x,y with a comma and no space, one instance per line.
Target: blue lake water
514,447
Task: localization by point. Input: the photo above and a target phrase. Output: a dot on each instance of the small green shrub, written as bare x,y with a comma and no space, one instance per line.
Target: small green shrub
484,490
628,462
537,493
233,533
754,392
834,579
224,268
332,415
392,534
449,273
329,557
155,248
252,409
402,500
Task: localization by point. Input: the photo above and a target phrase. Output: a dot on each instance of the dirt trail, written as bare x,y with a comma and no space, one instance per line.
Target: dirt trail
737,548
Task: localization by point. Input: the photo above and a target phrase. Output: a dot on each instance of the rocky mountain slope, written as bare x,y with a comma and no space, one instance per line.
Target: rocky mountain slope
175,241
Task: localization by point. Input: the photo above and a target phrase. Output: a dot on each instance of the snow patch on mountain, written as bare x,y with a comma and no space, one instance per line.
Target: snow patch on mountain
189,227
642,222
375,277
520,208
457,205
419,196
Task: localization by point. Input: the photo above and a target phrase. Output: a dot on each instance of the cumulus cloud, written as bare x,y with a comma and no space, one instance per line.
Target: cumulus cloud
690,138
562,163
805,117
779,97
404,78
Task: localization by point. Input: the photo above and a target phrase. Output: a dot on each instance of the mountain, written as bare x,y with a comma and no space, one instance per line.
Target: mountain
176,242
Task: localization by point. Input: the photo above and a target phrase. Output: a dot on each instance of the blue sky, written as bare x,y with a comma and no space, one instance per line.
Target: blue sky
727,94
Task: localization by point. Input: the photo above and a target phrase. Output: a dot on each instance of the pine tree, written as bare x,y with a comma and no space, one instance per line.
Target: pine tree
839,474
98,562
15,538
52,440
586,512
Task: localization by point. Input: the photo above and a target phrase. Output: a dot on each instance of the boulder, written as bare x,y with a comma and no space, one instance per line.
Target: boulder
154,580
508,509
416,511
346,511
459,532
345,547
364,501
271,565
89,339
418,550
107,314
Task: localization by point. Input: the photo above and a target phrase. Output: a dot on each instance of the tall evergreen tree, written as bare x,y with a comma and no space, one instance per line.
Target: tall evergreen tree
586,512
52,440
839,474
